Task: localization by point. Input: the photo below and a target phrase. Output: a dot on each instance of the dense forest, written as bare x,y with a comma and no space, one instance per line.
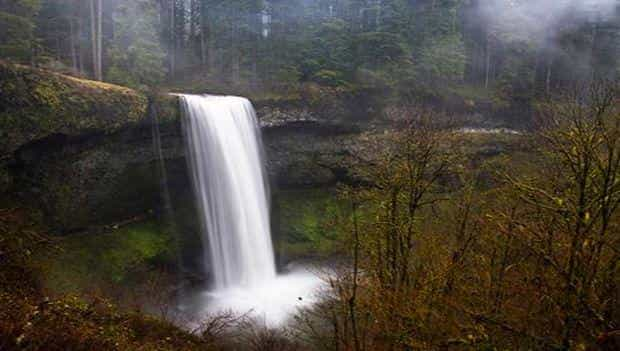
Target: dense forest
511,51
403,175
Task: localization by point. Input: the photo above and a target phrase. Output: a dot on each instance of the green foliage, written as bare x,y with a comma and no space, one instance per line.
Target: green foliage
71,323
17,29
305,218
91,261
417,49
137,59
288,76
396,17
32,320
443,59
330,49
39,103
513,251
375,49
329,78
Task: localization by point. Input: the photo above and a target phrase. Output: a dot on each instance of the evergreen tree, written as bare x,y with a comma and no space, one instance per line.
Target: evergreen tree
136,56
17,29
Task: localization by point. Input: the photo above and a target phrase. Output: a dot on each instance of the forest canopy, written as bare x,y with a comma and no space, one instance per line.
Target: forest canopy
514,51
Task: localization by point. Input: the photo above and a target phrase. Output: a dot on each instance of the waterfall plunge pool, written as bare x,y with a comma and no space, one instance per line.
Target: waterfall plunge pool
271,303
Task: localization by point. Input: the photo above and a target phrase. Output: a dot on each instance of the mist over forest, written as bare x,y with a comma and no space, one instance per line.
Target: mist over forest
512,50
297,175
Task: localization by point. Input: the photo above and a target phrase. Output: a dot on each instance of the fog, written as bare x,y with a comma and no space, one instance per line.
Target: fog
541,20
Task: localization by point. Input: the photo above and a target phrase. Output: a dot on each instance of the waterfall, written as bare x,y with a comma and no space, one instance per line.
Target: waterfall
224,152
225,158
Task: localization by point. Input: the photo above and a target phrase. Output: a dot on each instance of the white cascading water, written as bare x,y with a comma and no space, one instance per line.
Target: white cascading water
225,152
228,176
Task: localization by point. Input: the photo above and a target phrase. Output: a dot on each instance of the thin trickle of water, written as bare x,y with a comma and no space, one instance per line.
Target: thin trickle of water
167,208
225,160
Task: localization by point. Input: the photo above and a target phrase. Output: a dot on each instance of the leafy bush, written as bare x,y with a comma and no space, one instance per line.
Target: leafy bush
136,55
443,59
329,78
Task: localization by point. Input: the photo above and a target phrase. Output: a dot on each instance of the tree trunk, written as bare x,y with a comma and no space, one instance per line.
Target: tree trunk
548,77
99,40
80,49
379,14
488,62
256,36
536,72
210,50
593,63
203,47
93,37
236,64
203,36
193,26
352,300
173,46
74,57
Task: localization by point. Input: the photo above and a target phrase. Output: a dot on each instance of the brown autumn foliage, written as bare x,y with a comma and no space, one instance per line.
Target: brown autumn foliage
30,320
34,320
439,262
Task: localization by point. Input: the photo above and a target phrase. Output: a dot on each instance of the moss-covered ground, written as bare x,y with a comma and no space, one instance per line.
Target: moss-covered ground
33,319
117,258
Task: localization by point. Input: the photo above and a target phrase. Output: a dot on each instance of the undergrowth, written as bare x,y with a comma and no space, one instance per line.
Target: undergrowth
32,320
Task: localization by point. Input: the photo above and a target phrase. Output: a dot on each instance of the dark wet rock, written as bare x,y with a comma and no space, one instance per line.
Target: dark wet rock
104,176
83,151
276,117
80,182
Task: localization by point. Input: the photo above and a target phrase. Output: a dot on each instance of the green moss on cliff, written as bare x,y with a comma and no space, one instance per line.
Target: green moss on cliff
306,223
168,109
96,261
30,319
36,103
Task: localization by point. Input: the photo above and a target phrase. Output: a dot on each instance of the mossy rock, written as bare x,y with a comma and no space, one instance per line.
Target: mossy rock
107,258
306,223
99,181
168,108
35,104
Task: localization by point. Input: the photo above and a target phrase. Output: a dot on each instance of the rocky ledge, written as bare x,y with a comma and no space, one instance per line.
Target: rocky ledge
35,104
84,151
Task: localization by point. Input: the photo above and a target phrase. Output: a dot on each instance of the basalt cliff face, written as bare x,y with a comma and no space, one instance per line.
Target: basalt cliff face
84,153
